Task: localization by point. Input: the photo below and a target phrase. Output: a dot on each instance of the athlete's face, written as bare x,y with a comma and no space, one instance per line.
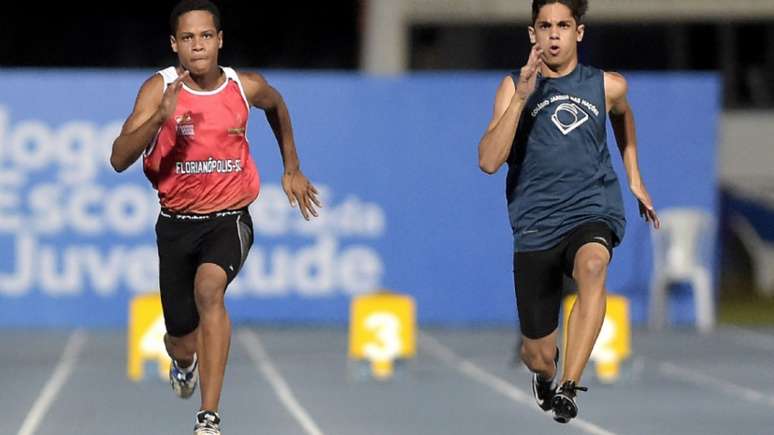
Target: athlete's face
197,42
557,33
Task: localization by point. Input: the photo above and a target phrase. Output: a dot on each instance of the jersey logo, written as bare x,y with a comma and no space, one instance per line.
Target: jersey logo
239,130
185,125
568,116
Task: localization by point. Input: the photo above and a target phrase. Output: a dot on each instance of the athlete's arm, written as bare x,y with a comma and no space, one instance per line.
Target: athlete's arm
622,120
298,189
495,146
151,109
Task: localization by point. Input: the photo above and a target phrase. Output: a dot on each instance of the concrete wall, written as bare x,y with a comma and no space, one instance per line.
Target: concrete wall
746,146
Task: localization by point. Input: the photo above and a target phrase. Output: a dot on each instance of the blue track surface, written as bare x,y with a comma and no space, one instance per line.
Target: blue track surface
461,383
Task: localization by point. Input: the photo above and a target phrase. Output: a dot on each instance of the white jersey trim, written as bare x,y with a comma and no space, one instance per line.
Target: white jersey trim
233,75
206,93
169,75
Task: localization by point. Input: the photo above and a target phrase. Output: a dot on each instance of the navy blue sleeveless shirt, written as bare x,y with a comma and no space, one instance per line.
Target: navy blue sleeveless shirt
559,170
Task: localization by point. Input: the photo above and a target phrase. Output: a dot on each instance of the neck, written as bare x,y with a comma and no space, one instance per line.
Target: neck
204,82
553,72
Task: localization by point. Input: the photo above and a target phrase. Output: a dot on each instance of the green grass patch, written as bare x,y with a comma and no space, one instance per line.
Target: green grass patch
746,311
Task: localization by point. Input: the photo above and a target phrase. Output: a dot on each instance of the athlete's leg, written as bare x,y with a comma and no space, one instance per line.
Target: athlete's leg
538,354
177,269
588,313
181,349
214,337
537,276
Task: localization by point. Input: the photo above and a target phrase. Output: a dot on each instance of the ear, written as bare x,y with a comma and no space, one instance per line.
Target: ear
581,32
220,39
532,38
173,43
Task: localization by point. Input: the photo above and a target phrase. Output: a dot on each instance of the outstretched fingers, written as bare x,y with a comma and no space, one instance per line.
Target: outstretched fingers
302,204
303,194
312,192
649,214
310,200
653,217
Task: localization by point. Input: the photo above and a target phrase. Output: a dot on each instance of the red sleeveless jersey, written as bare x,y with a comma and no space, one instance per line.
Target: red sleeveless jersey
199,161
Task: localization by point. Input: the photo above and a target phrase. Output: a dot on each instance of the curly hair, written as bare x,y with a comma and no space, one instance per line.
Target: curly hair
186,6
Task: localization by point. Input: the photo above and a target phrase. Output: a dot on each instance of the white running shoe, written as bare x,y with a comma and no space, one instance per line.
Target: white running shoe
207,423
184,381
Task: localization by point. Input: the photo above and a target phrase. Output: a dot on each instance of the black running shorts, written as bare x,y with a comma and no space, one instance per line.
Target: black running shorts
186,241
538,277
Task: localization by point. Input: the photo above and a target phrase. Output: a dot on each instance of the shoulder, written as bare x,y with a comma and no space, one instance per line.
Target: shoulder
153,83
615,85
507,85
151,90
252,82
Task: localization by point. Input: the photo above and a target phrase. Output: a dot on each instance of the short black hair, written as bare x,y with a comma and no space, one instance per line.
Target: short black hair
186,6
577,7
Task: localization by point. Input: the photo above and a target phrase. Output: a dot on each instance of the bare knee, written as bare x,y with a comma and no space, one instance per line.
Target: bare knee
594,266
209,296
210,288
590,268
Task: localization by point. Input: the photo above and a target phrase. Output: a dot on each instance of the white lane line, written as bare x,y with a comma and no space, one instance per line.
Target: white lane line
752,338
62,371
252,344
703,380
468,368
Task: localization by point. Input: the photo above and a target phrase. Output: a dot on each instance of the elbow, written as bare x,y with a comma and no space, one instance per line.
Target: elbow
487,167
488,160
117,165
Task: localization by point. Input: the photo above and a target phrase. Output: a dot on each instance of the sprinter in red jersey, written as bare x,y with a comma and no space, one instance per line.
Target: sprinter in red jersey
189,125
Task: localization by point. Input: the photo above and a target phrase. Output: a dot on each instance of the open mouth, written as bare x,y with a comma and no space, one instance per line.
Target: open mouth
554,49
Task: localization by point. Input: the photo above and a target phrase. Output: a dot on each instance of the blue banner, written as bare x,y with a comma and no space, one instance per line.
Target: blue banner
406,207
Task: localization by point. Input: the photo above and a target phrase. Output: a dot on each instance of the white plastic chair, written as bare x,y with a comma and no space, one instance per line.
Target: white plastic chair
682,252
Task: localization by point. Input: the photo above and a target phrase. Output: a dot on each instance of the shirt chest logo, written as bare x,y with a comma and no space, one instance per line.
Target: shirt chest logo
185,125
239,129
568,116
570,113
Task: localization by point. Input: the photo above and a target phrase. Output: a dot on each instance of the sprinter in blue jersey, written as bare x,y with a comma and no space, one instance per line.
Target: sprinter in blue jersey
564,199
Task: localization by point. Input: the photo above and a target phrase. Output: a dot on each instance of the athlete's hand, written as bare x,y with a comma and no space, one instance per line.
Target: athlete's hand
528,75
169,99
646,205
301,192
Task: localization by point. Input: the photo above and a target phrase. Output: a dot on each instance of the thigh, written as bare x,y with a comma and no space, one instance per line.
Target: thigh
177,268
597,233
538,279
227,243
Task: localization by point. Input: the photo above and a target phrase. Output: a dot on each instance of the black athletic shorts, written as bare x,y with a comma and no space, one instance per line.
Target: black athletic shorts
186,241
538,277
